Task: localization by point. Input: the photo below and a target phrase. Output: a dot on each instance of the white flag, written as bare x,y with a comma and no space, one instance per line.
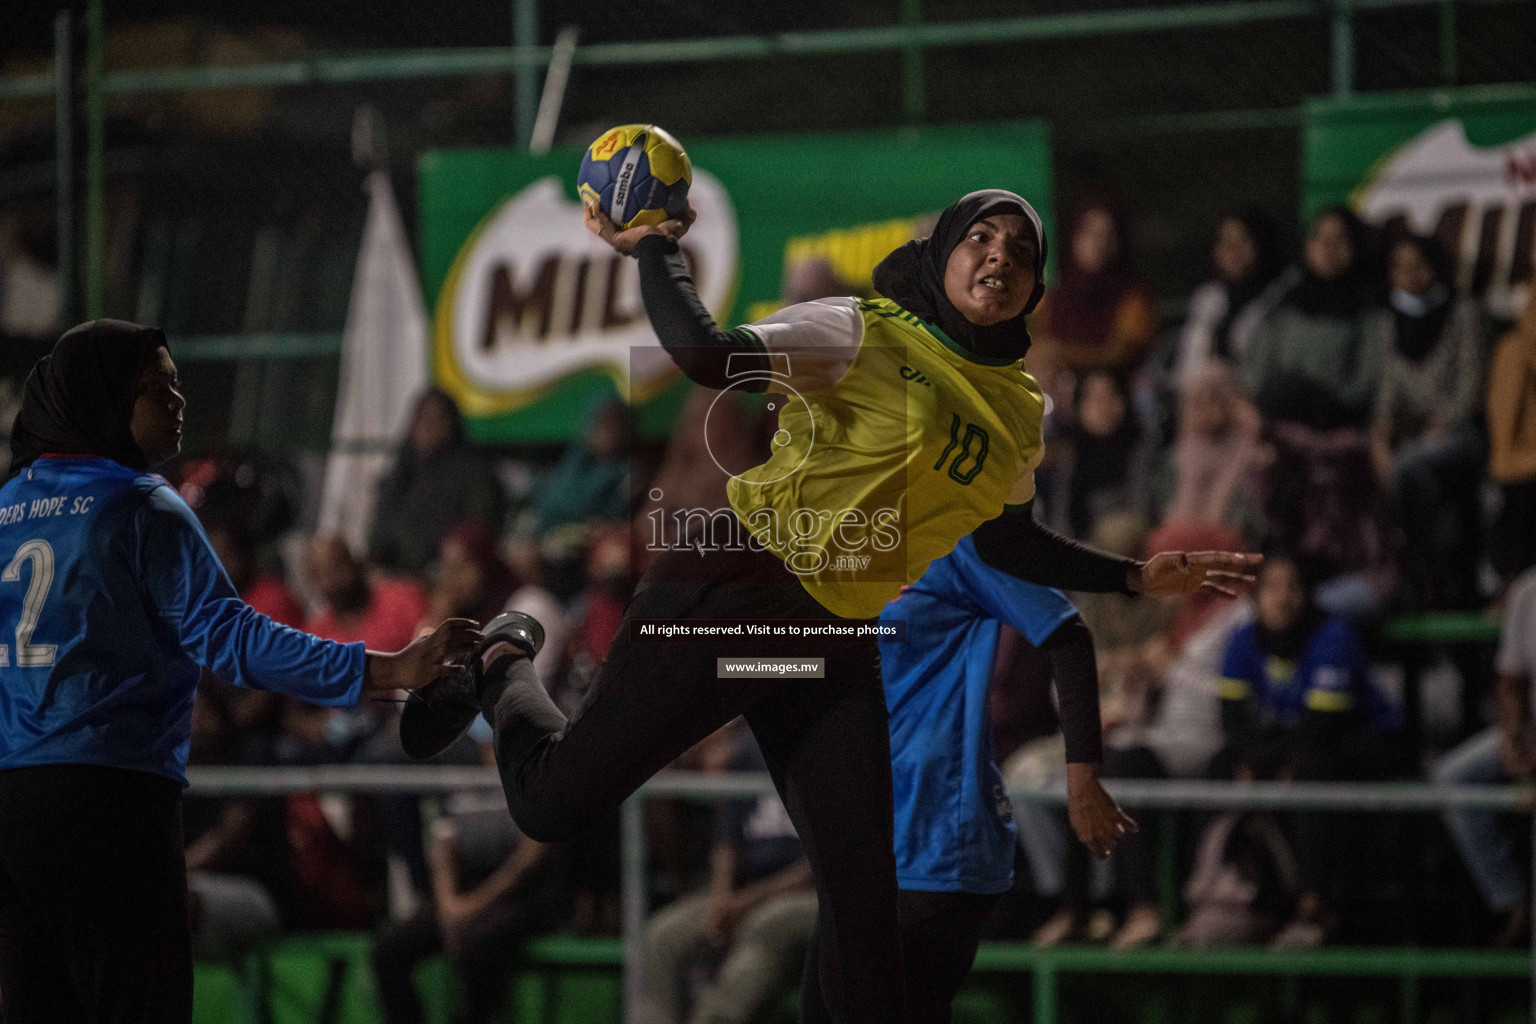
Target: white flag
383,369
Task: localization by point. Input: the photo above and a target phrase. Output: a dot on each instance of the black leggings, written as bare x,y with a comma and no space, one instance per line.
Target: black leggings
825,741
939,935
93,898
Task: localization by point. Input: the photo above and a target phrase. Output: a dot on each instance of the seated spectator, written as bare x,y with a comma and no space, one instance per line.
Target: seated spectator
715,435
1299,680
590,483
1216,453
322,875
1097,316
1512,436
1106,461
252,710
1251,275
534,598
438,481
753,922
473,581
1427,443
1505,752
228,903
492,891
383,613
1316,358
597,614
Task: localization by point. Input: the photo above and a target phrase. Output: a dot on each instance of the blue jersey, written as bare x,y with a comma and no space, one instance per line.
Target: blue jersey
110,600
954,825
1332,673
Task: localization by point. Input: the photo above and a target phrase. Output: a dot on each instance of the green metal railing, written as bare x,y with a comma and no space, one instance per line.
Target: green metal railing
524,59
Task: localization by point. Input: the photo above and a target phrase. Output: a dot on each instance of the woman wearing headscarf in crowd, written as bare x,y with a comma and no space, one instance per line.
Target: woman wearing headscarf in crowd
1248,255
1512,436
439,480
1097,316
1317,356
590,483
1427,440
1107,460
1211,472
473,581
123,604
1299,681
1313,370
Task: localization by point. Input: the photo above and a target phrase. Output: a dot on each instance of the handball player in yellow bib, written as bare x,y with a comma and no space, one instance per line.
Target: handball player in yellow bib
905,423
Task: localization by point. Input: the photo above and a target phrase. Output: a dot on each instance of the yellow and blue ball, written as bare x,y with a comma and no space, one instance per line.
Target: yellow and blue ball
637,174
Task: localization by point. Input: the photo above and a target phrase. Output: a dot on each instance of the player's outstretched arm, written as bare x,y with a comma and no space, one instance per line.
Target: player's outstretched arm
686,330
1184,572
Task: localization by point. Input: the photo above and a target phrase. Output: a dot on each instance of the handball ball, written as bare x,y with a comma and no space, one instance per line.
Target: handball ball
637,174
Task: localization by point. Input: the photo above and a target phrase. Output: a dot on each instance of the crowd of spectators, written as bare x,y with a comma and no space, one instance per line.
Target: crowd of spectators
1335,410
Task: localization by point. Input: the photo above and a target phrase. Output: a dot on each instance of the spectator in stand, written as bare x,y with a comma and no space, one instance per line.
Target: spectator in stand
1212,474
1317,358
472,579
1313,369
492,891
1512,433
1107,460
714,437
1504,752
356,607
229,905
1299,679
752,922
533,597
1097,316
1426,441
438,481
268,594
330,876
590,483
1249,258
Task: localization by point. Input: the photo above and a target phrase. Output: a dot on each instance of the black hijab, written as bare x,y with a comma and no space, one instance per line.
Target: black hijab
913,275
1351,292
1269,261
79,398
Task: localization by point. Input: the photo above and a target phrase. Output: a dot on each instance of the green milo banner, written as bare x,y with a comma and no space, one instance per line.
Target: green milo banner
1458,164
534,317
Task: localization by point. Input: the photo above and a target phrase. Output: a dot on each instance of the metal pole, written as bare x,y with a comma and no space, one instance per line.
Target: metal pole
1343,58
64,161
1532,897
525,33
95,160
632,897
555,81
912,86
1448,69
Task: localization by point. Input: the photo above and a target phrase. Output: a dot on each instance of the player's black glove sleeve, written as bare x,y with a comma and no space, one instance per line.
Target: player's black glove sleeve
1076,670
700,349
1018,545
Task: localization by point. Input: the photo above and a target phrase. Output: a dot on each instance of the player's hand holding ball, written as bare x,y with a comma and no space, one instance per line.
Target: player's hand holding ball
634,182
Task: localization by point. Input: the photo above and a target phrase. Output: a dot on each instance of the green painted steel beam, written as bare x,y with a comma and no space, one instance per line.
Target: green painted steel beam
907,36
1332,961
208,347
95,161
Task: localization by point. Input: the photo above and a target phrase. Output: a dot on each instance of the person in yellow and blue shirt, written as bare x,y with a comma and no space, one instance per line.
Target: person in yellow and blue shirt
1297,691
112,601
905,423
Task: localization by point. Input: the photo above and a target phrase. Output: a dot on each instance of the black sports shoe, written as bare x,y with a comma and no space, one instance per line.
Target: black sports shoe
438,713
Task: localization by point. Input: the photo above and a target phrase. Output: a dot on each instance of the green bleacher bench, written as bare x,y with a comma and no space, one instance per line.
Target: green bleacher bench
569,980
1443,627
